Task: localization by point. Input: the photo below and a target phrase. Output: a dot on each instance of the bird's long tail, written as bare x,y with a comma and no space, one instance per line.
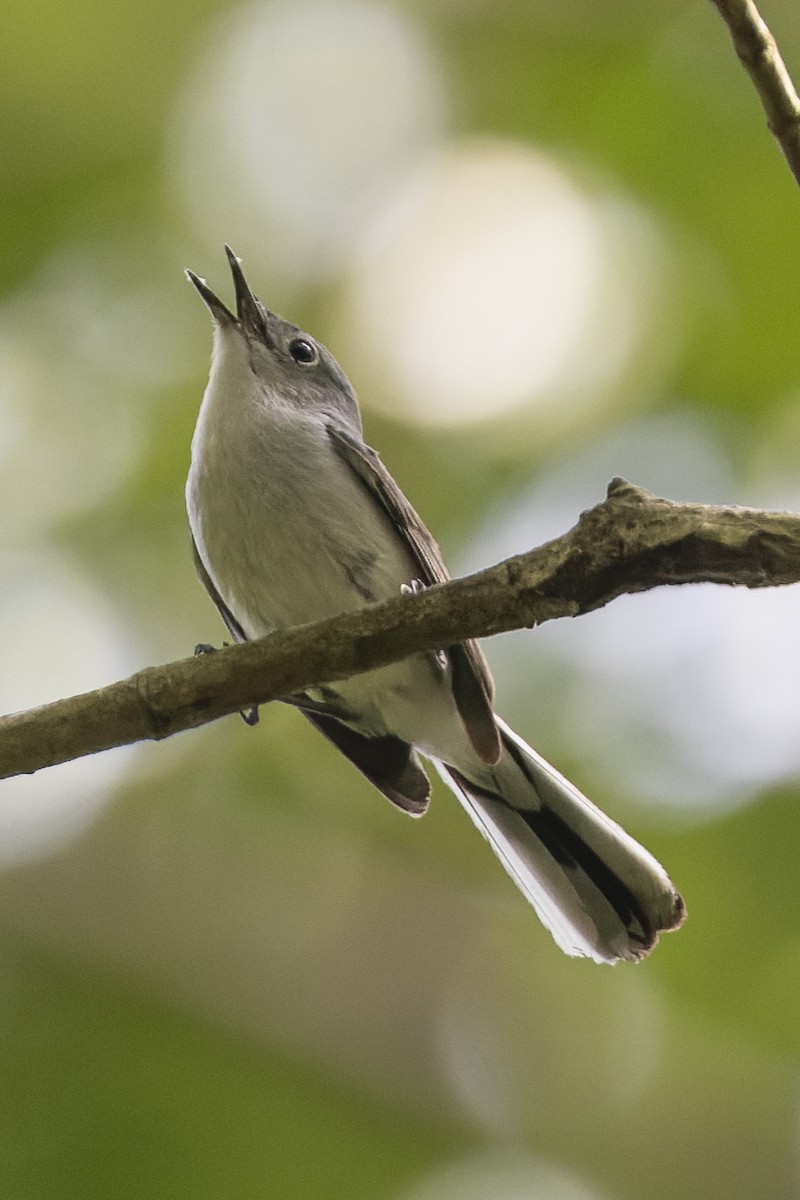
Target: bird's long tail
599,892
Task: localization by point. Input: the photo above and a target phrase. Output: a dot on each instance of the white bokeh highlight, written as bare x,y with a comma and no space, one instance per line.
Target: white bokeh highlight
81,342
60,637
296,121
494,279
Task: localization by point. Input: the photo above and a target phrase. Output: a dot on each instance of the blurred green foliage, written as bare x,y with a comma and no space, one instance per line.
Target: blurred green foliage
249,977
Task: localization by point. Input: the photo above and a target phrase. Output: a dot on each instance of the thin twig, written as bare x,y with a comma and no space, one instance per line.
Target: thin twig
762,60
629,543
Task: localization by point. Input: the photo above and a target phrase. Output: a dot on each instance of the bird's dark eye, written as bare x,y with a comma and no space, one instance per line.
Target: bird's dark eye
303,352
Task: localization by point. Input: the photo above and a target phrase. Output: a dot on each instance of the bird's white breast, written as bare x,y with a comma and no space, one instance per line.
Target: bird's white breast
286,531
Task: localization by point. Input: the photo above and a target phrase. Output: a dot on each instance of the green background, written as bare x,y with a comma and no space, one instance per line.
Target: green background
247,976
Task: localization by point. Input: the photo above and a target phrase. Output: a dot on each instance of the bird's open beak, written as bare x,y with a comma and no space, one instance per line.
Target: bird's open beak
221,314
248,309
250,315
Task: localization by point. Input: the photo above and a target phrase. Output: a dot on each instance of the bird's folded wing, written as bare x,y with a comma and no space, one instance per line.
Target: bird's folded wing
472,682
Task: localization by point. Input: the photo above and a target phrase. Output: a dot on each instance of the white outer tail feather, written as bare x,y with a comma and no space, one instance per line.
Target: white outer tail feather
601,894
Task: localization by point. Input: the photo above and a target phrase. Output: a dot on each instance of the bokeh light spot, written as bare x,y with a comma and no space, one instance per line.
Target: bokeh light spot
61,637
295,123
493,279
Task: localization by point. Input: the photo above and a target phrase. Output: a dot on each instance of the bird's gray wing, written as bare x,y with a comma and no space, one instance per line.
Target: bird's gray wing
473,689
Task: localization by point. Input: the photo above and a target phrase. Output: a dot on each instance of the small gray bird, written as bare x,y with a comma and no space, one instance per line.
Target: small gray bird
293,519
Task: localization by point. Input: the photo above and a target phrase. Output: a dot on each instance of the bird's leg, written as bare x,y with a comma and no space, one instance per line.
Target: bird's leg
248,715
413,589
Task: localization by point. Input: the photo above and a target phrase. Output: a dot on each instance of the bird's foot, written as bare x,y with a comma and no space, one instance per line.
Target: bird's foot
249,715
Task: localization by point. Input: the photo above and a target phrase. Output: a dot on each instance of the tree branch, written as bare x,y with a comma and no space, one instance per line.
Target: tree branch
762,60
631,542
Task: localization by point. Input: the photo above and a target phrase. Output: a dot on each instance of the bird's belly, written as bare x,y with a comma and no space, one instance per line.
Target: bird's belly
298,545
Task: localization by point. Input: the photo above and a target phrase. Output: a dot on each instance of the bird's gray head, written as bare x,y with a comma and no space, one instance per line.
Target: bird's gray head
291,366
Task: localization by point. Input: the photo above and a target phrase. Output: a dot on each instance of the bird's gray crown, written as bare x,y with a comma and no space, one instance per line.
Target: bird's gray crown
282,353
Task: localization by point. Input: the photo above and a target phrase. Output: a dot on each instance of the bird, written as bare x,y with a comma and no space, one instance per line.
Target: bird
294,518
